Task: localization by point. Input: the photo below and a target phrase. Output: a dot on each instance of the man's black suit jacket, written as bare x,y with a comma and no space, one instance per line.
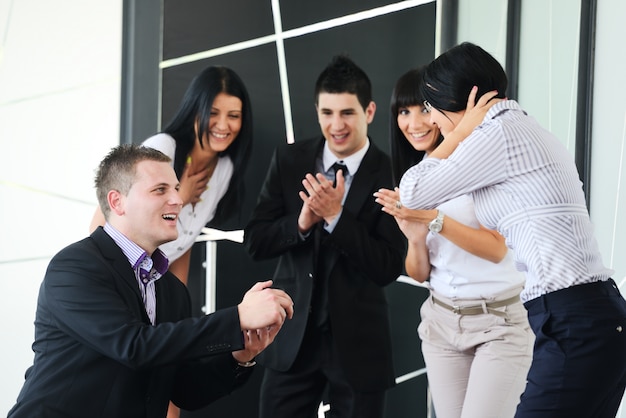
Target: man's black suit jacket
97,355
363,253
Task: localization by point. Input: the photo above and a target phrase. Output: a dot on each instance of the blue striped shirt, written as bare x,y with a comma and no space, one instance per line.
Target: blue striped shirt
525,185
147,269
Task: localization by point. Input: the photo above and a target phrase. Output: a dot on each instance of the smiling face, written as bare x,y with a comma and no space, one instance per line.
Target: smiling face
343,122
147,214
224,123
415,124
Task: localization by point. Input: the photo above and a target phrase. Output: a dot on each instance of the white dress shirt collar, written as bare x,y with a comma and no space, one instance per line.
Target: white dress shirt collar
352,162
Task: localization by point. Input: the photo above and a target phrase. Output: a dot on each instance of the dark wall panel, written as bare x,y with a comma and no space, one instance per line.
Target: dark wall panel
192,26
408,399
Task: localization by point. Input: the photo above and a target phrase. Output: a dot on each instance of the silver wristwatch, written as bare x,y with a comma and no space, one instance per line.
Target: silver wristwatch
436,224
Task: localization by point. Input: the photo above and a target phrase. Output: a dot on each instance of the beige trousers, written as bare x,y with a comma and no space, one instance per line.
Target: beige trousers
476,364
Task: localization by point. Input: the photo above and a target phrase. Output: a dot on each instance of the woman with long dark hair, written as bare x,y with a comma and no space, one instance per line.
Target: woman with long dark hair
209,141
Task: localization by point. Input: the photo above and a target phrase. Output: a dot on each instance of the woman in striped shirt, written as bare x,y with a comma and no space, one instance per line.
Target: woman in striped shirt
525,184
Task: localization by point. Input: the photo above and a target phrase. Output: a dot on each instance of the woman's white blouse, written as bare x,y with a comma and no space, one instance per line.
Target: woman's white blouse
455,273
193,218
525,184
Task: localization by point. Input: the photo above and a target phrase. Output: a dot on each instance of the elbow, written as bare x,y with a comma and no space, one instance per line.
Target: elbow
498,256
419,275
494,260
420,278
383,276
258,251
252,250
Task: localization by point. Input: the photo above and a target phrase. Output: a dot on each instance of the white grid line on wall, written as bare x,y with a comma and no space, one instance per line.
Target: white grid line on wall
278,38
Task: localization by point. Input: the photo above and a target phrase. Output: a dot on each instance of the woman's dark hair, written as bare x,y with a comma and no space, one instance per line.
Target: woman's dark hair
405,93
449,79
196,107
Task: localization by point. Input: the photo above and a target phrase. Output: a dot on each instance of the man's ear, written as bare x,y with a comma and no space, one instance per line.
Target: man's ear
370,111
115,200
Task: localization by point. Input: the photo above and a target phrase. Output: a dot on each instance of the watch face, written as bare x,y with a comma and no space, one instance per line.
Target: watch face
435,226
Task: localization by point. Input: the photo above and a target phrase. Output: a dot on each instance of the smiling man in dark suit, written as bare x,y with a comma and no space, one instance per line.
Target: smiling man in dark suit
337,251
114,336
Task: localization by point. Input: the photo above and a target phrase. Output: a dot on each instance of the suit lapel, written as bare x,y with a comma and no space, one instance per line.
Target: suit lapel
366,175
117,259
296,167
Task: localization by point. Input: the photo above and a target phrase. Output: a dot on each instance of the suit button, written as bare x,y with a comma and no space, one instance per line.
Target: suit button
310,275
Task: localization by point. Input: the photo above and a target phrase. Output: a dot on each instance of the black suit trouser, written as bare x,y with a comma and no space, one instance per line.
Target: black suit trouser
316,376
